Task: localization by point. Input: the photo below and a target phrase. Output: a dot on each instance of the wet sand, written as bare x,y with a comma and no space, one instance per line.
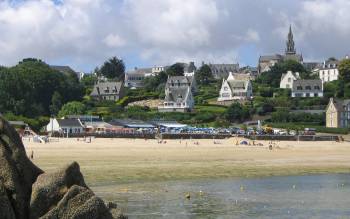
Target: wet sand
128,160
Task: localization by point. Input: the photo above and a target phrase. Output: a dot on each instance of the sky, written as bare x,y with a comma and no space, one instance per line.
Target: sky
144,33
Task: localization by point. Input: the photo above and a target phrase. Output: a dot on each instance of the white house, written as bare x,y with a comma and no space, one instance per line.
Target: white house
329,71
307,88
288,78
65,126
232,89
177,99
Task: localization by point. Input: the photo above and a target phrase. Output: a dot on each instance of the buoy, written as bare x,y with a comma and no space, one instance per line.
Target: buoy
188,196
200,192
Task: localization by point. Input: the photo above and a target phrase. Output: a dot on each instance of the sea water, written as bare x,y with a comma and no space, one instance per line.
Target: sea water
313,196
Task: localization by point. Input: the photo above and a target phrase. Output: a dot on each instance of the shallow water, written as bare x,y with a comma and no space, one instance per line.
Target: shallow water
316,196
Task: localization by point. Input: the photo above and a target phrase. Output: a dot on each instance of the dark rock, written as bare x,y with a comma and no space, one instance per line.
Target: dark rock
6,211
79,203
50,188
17,172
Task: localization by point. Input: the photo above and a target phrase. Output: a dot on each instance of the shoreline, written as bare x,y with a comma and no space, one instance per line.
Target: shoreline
125,161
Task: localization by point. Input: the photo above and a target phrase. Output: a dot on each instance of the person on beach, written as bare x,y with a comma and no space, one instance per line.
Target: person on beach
32,155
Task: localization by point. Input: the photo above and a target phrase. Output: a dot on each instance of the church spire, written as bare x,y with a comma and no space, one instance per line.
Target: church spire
290,50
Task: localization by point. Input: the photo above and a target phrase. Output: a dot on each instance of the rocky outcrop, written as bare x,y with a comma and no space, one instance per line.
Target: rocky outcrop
50,188
17,172
79,203
6,211
26,192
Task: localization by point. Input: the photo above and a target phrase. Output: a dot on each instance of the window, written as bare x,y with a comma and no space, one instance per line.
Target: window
317,87
299,87
289,79
315,94
307,94
225,88
287,86
308,87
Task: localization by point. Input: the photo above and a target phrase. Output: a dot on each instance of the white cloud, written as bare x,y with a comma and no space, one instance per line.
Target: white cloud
114,40
84,33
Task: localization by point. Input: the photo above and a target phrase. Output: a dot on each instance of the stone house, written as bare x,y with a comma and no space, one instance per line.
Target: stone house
338,113
108,91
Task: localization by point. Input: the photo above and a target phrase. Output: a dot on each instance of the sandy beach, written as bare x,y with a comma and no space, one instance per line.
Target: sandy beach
129,160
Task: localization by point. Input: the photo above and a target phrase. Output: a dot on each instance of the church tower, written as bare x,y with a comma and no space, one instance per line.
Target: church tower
290,50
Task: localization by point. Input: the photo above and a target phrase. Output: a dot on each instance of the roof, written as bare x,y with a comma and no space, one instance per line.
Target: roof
129,123
295,75
188,67
139,71
224,67
106,88
69,123
177,94
304,83
238,84
169,124
339,104
270,57
98,124
85,118
241,76
181,79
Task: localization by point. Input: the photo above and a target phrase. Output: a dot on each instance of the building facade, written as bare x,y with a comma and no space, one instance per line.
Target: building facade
108,91
307,88
288,78
329,71
65,126
338,113
223,70
232,89
178,94
267,61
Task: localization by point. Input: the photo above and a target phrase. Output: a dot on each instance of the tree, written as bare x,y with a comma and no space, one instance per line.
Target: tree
56,103
155,83
204,75
114,68
237,113
72,108
176,69
344,70
273,77
27,88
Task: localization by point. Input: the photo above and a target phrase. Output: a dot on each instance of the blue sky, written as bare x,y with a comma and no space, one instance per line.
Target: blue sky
84,33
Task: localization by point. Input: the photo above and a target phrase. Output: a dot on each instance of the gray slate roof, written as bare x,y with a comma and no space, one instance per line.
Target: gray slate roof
69,122
129,123
340,104
304,84
177,94
266,58
237,85
139,71
102,87
183,80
